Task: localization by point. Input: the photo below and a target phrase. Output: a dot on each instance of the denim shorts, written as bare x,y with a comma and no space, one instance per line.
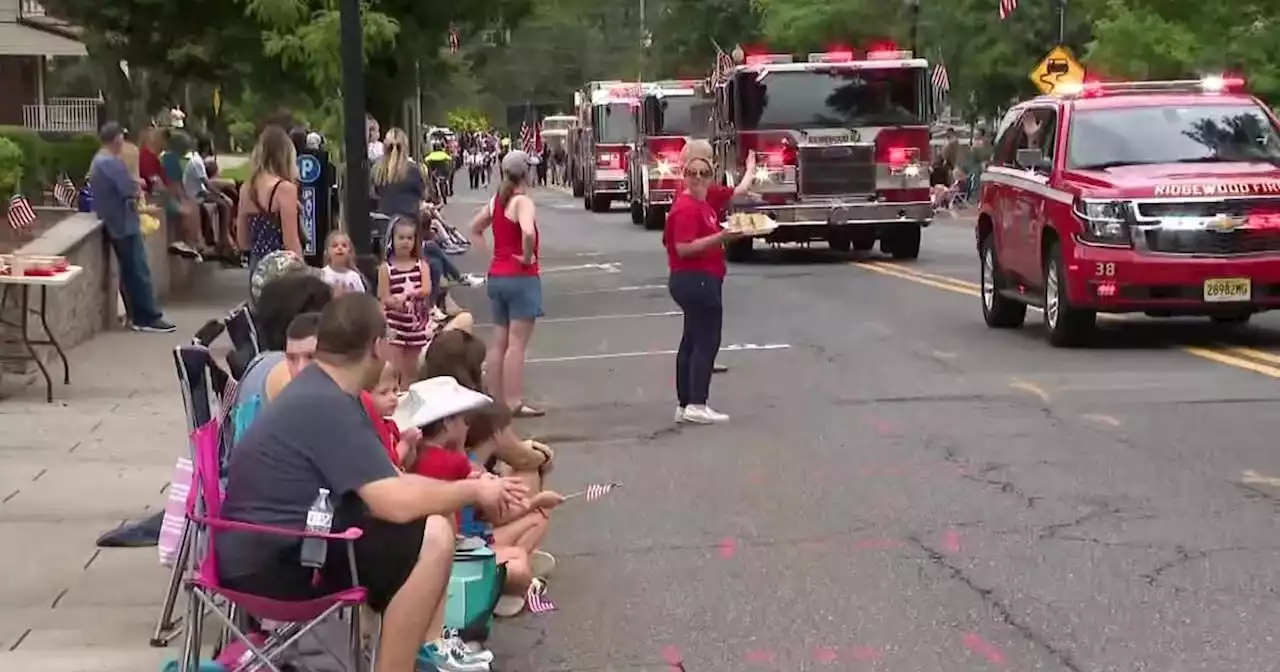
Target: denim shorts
515,297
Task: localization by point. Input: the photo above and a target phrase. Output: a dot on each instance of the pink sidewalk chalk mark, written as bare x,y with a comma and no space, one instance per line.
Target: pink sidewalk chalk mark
951,542
826,654
760,656
728,548
866,654
672,656
876,544
755,478
981,647
879,425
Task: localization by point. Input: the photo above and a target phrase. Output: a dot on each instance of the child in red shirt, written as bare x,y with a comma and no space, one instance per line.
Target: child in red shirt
381,405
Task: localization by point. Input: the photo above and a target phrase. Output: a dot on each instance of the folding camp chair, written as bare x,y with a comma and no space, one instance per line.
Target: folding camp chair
252,650
192,363
241,329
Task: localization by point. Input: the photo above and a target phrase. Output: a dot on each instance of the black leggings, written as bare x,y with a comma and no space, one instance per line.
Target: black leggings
698,295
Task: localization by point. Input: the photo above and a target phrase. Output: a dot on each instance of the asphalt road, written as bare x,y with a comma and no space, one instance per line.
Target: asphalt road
900,487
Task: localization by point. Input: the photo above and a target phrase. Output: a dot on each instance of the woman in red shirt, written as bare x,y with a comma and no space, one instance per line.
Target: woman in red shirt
515,289
695,253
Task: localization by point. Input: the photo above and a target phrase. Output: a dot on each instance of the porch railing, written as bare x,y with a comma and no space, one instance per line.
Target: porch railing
67,115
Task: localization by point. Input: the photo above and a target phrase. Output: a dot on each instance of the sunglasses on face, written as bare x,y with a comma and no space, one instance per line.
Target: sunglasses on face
701,174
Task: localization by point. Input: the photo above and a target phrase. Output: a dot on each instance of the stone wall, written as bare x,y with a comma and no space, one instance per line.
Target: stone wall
90,303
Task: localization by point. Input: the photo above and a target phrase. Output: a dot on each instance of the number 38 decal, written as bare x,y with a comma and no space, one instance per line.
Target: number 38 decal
1104,270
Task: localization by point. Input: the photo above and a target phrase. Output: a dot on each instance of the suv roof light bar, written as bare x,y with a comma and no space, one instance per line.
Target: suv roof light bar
1210,84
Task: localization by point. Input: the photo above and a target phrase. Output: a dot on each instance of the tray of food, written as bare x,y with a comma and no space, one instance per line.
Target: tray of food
33,265
750,224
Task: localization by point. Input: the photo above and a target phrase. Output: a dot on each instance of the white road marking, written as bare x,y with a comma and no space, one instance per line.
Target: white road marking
592,318
1251,477
604,290
610,267
738,347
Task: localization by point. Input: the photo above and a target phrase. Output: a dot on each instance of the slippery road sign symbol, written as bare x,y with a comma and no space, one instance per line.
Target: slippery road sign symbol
1058,67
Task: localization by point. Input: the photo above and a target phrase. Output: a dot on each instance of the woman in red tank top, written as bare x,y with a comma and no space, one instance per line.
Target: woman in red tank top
515,289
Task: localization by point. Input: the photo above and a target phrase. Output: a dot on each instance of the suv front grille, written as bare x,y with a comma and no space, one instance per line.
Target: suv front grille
1243,241
1237,207
837,170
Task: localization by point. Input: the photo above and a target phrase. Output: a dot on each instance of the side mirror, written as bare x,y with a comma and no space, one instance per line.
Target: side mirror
1032,159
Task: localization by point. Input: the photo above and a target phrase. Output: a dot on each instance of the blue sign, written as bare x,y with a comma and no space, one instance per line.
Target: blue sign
308,198
308,169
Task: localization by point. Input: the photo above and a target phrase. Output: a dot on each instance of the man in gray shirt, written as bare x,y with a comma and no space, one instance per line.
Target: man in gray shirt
115,202
316,434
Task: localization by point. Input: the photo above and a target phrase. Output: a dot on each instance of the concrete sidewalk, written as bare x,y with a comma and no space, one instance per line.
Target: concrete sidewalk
101,453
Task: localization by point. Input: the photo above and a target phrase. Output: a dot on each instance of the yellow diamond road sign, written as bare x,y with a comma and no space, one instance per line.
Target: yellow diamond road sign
1058,68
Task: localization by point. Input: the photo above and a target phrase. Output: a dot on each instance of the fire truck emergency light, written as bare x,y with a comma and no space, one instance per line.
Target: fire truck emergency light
831,57
888,55
769,59
1207,84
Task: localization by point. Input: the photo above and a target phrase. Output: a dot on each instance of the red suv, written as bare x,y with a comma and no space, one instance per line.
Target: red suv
1153,197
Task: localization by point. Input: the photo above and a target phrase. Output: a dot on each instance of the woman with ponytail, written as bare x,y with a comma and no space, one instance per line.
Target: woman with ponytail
515,288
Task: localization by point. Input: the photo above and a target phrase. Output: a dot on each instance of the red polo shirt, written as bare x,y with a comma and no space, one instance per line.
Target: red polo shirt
691,219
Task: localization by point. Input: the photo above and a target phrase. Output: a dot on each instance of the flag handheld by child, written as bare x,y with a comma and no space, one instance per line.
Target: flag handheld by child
594,492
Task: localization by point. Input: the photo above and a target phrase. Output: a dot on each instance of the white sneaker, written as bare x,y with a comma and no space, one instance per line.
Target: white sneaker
679,414
469,653
472,280
703,415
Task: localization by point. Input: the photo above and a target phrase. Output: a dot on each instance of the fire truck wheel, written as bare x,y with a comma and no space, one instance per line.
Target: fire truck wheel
655,218
601,203
902,243
998,310
740,250
840,242
637,213
577,189
1065,326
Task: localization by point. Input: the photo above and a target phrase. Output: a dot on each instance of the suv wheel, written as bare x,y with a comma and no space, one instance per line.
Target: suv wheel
1065,326
904,242
998,310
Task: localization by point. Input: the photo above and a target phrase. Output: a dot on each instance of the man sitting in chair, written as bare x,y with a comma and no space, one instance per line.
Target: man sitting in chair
316,435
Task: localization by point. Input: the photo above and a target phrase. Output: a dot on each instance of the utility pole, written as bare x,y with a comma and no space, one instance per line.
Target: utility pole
1062,21
355,205
914,6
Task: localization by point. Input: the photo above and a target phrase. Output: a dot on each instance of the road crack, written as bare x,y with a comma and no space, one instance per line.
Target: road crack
1001,609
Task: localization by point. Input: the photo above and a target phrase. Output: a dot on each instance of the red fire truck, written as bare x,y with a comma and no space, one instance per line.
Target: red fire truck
1153,197
607,119
842,146
670,113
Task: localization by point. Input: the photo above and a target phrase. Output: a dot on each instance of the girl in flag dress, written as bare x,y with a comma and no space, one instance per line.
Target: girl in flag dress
404,287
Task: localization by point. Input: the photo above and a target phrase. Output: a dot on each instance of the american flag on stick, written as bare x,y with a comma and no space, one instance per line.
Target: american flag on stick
941,81
536,599
1007,7
21,214
595,491
64,192
723,68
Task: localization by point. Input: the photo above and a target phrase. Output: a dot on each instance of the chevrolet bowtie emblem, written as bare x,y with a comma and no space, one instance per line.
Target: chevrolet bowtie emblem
1225,223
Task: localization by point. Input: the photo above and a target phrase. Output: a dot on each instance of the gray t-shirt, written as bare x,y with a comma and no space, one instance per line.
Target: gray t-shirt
194,176
313,435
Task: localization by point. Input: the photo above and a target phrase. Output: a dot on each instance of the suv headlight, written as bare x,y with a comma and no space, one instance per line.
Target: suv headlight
1104,222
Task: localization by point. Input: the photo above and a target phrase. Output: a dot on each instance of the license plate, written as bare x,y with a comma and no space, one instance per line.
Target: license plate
1225,290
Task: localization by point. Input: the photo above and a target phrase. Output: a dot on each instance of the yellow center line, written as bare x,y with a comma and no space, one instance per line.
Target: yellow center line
1239,357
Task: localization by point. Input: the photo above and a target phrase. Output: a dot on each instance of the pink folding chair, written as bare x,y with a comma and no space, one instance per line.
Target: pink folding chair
206,595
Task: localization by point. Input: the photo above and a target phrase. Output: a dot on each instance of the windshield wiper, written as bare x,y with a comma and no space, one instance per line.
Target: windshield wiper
1110,164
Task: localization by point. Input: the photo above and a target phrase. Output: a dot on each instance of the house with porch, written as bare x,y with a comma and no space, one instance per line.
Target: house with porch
29,38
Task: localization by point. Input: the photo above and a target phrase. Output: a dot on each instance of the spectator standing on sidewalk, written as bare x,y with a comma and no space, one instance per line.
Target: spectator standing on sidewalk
115,202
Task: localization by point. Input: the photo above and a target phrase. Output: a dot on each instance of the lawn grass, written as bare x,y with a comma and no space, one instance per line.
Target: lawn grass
239,173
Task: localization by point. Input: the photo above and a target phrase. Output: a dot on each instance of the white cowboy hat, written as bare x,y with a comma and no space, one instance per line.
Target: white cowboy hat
435,399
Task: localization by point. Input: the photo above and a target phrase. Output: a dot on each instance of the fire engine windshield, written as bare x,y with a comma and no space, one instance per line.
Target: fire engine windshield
615,123
1106,138
674,115
829,97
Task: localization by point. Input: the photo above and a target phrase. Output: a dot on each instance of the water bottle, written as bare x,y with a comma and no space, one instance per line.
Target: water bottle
319,519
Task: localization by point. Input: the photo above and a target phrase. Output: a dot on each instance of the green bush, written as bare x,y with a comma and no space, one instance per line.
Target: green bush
10,167
47,156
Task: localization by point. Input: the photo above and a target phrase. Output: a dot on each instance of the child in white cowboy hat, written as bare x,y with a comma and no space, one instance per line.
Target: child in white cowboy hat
437,409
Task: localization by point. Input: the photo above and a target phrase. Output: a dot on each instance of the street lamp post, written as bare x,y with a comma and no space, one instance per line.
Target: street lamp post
355,206
913,6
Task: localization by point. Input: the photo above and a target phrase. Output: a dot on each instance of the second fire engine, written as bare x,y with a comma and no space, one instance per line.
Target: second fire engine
607,119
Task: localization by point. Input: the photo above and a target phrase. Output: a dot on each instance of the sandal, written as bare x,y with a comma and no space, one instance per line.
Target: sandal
523,410
542,564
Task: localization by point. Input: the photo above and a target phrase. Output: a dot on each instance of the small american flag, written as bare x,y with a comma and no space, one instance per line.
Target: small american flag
723,68
596,491
21,214
64,192
1007,7
941,81
536,599
527,138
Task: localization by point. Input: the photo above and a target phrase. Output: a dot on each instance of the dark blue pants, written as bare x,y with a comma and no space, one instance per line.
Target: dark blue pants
698,295
440,266
135,280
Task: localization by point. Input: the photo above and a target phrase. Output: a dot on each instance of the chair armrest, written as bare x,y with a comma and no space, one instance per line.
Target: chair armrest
350,534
